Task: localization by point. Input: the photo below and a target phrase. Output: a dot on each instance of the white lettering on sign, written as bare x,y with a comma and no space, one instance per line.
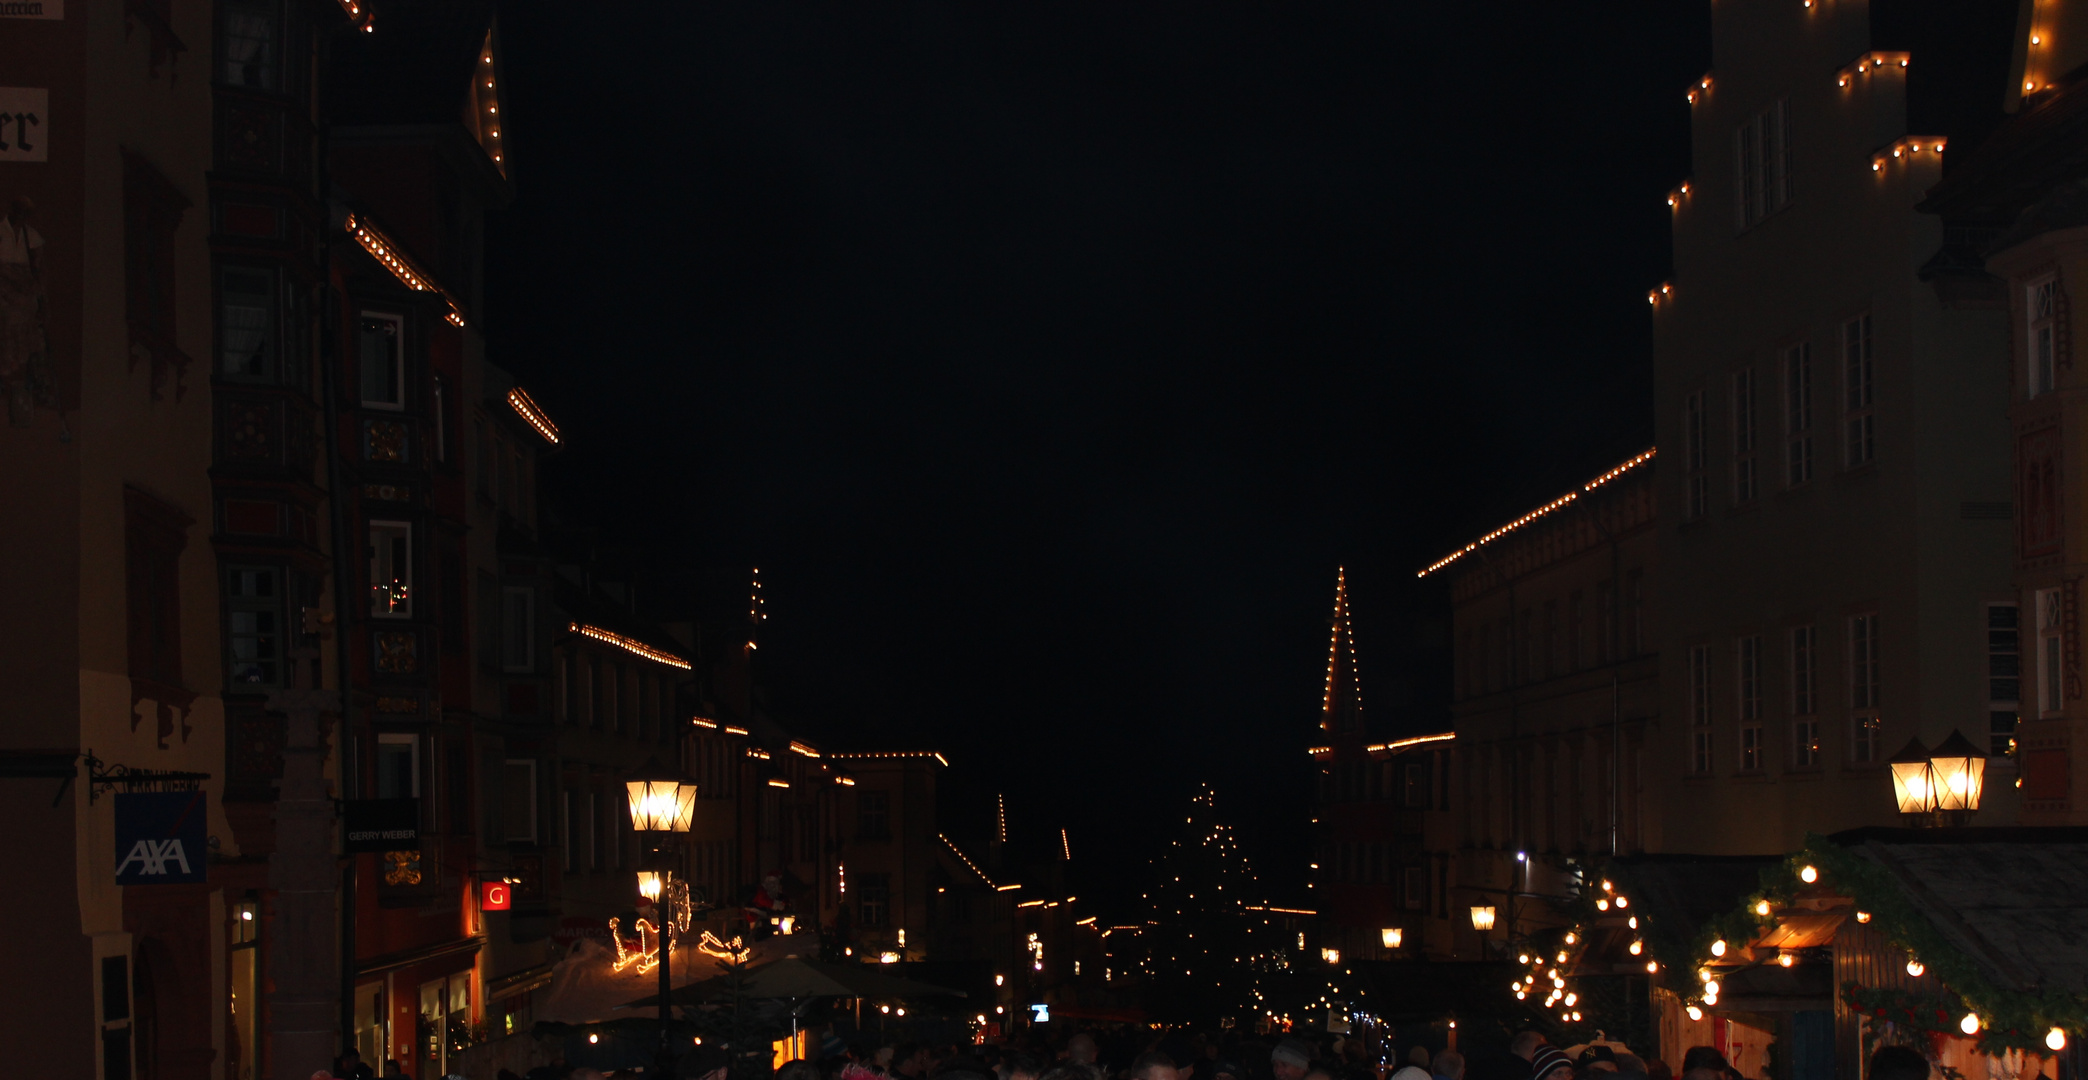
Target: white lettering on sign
153,856
32,9
25,122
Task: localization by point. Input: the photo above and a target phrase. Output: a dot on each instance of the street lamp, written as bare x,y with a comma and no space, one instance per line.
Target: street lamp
1483,918
1940,786
1958,770
1912,786
662,804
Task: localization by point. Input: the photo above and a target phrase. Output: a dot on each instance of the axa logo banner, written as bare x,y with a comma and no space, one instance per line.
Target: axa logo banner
161,838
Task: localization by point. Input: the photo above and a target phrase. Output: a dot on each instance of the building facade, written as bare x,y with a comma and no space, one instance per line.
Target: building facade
1835,487
1556,692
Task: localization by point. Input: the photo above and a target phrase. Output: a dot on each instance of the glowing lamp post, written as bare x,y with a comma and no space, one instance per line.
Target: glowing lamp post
1912,786
1483,921
663,803
1958,770
1940,786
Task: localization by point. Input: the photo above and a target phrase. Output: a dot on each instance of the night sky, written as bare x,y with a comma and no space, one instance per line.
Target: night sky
1048,358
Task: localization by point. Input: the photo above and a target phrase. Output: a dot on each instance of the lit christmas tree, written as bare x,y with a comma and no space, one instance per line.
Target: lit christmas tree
1212,951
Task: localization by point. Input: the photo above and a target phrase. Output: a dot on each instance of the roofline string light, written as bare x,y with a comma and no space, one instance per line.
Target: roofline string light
966,860
387,251
1628,465
1703,87
1871,63
867,754
630,645
526,407
1909,148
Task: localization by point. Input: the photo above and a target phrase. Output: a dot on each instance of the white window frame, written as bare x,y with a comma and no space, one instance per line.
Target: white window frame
398,360
395,603
1859,392
517,599
1700,758
2041,308
413,755
1865,684
2001,743
1762,164
1798,414
1746,481
1805,696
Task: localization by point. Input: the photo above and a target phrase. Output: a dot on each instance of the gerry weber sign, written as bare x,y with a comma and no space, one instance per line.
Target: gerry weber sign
160,837
32,9
24,122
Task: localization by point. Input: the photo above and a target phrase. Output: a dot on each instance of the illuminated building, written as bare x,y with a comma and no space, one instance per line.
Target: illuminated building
1835,489
1553,682
1371,870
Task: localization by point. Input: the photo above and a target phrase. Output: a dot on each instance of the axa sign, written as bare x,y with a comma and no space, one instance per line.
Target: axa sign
161,838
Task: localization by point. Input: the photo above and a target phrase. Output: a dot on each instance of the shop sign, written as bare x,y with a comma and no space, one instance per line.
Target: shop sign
381,824
496,895
161,837
574,927
25,132
32,9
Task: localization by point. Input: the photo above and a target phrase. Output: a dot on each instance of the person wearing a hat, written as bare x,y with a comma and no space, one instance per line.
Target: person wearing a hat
1551,1063
1289,1059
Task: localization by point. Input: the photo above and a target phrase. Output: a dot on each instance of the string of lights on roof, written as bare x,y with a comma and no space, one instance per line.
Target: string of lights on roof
966,860
487,103
1340,629
1871,63
387,252
1909,147
630,645
357,15
1626,466
1701,89
1418,740
1655,296
526,407
801,748
862,755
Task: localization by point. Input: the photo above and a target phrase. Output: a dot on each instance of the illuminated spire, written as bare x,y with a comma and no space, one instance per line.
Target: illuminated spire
1343,705
757,611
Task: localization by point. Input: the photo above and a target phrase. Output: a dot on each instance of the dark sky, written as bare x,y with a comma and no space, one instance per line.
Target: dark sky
1049,357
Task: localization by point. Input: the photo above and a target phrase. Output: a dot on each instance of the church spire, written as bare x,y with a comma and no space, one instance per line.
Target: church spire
1344,702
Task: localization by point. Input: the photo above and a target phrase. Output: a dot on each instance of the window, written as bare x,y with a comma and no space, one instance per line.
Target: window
152,208
381,358
1635,612
1748,700
1865,726
1762,152
612,676
2044,373
391,569
154,535
873,815
247,324
1414,780
1695,452
1606,615
1700,708
518,795
247,44
1805,726
1554,661
1743,436
1858,441
1798,458
873,900
570,826
568,691
1414,887
518,629
2004,678
398,766
591,820
592,692
1530,647
254,626
483,445
1577,634
2050,648
441,417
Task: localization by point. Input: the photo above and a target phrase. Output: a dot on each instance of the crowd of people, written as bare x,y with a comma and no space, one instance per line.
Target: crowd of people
1132,1054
